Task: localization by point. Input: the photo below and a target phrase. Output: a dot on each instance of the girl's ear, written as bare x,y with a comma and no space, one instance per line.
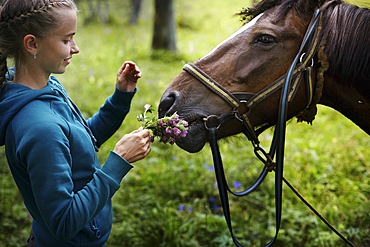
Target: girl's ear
30,44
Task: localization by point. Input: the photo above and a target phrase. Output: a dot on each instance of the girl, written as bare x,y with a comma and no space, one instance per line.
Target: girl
49,146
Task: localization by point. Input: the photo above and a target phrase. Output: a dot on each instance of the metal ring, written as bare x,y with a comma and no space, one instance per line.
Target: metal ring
301,59
209,118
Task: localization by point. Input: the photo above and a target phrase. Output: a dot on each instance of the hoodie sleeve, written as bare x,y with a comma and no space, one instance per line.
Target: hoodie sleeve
111,115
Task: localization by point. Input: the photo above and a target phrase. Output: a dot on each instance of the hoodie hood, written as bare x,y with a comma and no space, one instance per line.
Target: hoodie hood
14,96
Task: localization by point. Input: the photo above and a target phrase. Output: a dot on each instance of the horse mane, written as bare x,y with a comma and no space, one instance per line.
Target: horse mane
345,34
346,31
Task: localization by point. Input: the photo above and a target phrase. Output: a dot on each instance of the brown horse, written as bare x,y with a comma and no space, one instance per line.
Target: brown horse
291,55
262,51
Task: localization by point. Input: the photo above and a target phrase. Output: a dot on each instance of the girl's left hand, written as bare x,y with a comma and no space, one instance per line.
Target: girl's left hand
127,76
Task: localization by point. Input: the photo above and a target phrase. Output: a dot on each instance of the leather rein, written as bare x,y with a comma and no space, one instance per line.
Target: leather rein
243,103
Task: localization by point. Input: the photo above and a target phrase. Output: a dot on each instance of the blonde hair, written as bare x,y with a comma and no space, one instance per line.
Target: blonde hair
21,17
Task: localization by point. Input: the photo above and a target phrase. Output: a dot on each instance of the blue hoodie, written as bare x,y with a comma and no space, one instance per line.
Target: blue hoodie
51,154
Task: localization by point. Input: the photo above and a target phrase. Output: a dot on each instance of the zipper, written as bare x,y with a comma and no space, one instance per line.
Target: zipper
78,115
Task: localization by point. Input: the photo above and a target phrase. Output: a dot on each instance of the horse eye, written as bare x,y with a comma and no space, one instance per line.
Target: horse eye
265,40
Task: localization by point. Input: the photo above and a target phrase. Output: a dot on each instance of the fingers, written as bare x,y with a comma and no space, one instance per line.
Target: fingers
134,146
146,150
127,76
145,132
130,67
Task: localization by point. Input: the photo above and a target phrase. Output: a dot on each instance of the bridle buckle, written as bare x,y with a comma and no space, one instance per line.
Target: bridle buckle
266,159
212,121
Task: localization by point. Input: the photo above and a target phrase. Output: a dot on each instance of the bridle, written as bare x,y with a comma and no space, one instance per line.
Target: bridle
243,103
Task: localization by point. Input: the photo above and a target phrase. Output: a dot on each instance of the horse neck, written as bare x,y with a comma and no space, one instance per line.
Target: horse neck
350,101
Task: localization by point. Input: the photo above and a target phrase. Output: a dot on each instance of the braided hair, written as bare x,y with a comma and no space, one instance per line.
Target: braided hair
21,17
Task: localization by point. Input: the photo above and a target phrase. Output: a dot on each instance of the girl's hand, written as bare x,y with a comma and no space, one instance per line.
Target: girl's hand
134,146
127,76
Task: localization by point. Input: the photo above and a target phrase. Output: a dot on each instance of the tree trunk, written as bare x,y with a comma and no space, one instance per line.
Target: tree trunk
135,11
164,26
96,12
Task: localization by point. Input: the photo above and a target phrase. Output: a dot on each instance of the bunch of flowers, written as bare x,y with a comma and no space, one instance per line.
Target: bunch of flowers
167,129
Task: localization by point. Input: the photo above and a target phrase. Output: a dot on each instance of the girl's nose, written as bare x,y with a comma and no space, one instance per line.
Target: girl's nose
74,48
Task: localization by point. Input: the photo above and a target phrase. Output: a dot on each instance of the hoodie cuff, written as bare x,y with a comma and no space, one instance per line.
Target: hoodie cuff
122,98
116,167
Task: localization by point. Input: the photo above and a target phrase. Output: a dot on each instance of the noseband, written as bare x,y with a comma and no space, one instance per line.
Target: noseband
243,103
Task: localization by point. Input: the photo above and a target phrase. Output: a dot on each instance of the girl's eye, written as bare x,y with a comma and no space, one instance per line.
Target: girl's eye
66,41
265,40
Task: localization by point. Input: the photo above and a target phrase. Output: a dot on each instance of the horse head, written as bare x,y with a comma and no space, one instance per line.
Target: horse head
250,60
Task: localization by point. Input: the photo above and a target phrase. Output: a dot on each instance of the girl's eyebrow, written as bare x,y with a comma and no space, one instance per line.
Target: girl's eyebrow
70,34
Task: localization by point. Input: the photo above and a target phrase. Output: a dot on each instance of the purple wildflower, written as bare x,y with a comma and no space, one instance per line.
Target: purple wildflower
168,130
205,165
148,108
237,184
172,122
184,133
183,122
176,132
175,117
181,207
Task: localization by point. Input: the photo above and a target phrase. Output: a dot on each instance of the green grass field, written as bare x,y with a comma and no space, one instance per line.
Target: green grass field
170,198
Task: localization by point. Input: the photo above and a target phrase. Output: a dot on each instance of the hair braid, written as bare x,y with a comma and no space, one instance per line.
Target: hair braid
3,68
48,4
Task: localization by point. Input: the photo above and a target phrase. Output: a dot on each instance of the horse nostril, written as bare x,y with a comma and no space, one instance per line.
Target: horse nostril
168,104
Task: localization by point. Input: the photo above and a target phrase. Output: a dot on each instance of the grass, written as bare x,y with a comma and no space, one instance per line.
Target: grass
170,198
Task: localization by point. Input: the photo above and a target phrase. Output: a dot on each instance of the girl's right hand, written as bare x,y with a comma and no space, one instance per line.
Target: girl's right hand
134,146
127,76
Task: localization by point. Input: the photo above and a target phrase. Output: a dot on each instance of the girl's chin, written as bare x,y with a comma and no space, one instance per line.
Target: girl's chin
60,70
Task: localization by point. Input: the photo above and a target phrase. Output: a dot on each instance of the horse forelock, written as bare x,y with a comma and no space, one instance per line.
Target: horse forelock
302,8
346,32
